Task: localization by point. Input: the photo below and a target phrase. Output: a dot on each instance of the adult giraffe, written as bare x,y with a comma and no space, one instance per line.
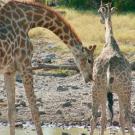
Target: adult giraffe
16,19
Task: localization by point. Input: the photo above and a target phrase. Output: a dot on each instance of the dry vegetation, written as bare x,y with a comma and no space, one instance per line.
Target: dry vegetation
88,27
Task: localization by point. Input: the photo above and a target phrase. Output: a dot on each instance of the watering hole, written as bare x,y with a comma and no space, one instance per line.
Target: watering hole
58,131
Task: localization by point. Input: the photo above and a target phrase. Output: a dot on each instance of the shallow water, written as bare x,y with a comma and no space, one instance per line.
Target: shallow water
47,131
52,131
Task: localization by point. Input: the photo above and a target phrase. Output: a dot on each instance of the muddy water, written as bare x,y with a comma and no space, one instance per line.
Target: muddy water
52,131
47,131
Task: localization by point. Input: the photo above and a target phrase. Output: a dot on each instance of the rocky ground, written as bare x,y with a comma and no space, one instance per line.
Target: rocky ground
61,99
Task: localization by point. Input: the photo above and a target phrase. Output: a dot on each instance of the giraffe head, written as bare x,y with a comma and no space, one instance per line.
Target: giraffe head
85,62
105,12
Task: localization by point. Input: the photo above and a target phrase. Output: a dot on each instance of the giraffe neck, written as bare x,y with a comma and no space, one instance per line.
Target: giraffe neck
24,16
109,38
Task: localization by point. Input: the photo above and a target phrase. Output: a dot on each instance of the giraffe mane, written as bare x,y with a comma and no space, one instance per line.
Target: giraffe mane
36,4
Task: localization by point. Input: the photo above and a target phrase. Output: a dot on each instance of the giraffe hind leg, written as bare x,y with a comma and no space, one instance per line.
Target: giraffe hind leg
125,103
10,90
121,117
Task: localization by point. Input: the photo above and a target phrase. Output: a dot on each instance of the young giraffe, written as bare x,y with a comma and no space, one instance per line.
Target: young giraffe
111,74
16,19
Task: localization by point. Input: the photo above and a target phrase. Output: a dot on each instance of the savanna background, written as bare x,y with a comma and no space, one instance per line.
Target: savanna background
64,100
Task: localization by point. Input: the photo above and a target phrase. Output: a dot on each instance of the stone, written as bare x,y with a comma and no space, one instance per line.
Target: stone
58,112
67,104
88,104
19,124
75,87
41,111
18,78
23,103
48,58
115,123
62,88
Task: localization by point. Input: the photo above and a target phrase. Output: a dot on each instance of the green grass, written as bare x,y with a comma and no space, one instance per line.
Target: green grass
90,31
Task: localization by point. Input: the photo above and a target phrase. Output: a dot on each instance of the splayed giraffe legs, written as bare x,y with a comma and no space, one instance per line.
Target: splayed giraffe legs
28,84
10,89
125,105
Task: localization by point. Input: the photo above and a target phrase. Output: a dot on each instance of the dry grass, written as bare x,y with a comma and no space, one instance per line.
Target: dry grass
89,29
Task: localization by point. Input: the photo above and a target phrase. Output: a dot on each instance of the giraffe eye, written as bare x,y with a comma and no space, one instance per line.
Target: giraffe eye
89,61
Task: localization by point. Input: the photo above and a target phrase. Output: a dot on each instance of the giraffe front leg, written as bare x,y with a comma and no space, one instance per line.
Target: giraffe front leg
95,107
125,100
10,90
28,85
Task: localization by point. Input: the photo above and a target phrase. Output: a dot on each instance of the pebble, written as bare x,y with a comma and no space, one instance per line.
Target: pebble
19,125
58,112
67,104
62,88
41,111
115,123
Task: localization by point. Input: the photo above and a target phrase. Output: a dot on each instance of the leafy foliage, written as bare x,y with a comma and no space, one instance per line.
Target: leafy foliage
122,5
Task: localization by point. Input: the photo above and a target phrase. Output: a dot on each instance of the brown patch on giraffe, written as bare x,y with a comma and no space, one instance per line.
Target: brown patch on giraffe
2,53
58,22
27,62
61,37
37,17
6,46
29,15
22,45
66,37
46,25
65,41
50,15
17,52
8,14
47,18
58,31
10,36
23,34
66,30
40,23
71,42
19,11
15,15
52,28
23,55
5,60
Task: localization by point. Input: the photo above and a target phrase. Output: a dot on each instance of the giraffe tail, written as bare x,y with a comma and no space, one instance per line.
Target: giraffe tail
110,94
110,105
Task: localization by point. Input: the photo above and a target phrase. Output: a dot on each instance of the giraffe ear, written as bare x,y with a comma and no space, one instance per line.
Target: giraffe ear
113,10
92,48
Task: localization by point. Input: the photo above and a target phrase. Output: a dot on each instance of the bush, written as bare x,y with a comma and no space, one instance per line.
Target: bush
122,5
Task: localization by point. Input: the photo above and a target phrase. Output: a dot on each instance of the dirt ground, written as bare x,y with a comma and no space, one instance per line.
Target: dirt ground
61,99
